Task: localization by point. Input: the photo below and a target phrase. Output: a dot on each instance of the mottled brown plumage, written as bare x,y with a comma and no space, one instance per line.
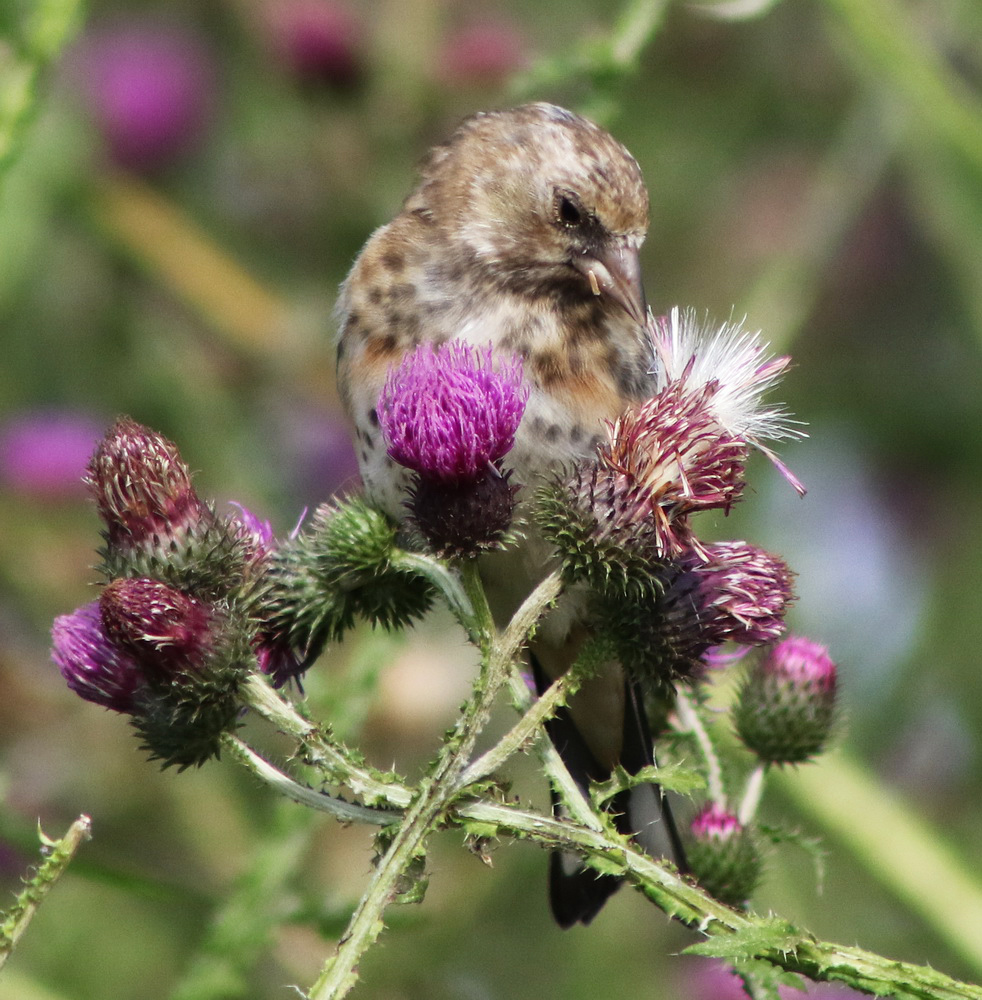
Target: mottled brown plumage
524,231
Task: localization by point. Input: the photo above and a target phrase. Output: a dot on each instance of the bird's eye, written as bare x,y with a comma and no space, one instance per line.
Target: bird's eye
568,211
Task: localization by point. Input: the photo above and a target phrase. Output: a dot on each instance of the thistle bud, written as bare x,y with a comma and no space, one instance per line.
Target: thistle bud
723,855
192,656
343,566
787,706
93,666
156,525
165,630
450,416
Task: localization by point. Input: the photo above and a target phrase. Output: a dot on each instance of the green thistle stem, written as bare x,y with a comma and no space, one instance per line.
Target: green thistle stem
457,597
440,787
59,854
344,812
751,794
320,752
691,722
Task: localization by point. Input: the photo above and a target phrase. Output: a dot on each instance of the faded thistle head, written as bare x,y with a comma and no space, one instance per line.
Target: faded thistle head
622,523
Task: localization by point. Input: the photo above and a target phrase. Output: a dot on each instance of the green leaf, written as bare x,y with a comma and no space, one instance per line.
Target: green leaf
767,935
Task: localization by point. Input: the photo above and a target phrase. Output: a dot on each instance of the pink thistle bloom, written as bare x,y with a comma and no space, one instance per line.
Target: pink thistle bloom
449,413
93,666
674,448
804,666
715,822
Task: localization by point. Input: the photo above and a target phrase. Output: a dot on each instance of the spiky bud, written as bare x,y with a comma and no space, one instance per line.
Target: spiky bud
723,855
275,657
342,567
156,525
786,709
724,592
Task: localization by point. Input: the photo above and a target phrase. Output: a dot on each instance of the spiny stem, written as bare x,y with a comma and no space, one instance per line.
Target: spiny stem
257,693
59,854
344,812
449,586
524,730
435,794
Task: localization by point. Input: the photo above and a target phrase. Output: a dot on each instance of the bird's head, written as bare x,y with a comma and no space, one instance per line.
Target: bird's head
543,202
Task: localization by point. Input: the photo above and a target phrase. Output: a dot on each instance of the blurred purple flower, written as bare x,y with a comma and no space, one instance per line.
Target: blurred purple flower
45,453
318,453
482,53
319,41
710,979
150,88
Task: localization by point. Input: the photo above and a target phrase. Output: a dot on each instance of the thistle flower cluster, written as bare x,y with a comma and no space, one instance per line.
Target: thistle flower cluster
174,630
622,523
450,415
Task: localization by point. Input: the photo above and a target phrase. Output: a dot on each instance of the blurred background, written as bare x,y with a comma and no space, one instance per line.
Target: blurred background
191,180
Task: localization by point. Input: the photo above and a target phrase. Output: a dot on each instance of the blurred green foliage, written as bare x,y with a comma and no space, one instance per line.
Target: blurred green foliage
817,167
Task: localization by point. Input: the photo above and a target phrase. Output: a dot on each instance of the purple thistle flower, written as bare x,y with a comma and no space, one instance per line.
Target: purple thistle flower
44,454
143,489
712,594
319,41
93,666
449,413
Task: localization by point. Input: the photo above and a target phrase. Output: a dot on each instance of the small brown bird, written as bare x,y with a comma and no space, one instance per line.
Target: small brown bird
524,232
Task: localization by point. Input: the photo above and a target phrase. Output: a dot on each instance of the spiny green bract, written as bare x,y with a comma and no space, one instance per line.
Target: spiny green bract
610,560
181,718
339,569
209,560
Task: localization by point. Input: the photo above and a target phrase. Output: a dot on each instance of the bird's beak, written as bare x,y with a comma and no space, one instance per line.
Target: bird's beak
615,270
